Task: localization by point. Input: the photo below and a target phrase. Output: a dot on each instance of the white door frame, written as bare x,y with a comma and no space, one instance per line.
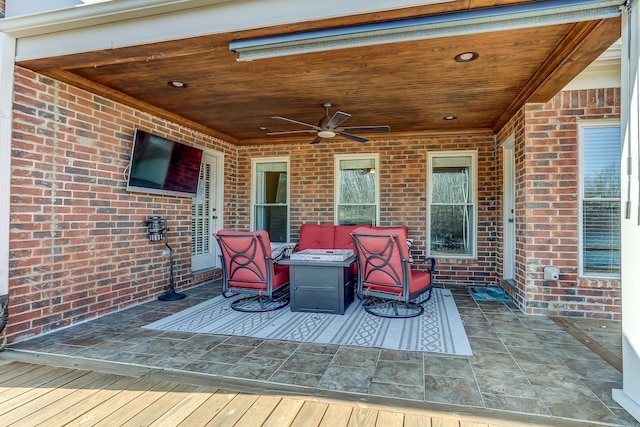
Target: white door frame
508,209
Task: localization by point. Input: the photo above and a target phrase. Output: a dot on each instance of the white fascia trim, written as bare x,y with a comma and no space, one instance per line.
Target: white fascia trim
133,22
94,14
7,48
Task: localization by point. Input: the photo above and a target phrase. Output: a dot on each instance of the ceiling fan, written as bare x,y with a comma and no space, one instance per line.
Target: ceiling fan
328,127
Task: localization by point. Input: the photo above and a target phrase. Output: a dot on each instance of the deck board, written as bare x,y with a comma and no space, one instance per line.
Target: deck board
160,406
259,412
134,406
27,396
39,410
336,416
32,378
113,402
415,420
363,417
390,419
178,413
92,398
284,413
234,410
311,413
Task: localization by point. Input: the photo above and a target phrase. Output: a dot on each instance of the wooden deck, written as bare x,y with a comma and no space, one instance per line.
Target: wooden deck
34,394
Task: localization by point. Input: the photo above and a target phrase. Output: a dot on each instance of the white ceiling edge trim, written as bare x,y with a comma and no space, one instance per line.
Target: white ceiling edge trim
50,21
188,22
255,13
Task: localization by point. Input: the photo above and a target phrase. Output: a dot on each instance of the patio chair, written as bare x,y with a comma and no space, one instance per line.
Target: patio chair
248,268
386,281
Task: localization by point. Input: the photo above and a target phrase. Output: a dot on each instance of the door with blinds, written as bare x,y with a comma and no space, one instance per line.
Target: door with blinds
509,206
206,216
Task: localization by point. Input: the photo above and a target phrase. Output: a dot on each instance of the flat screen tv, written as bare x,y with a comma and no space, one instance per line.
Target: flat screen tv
161,166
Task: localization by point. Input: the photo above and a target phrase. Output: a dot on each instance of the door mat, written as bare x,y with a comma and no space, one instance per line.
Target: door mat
489,293
438,330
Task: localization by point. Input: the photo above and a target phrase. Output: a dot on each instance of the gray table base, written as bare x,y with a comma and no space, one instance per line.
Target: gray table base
322,287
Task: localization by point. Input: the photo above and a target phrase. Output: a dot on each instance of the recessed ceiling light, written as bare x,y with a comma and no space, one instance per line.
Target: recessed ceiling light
177,83
450,117
466,57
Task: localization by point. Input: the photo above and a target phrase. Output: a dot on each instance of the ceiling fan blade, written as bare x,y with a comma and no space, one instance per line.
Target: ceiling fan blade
366,128
338,118
316,140
285,132
352,137
295,122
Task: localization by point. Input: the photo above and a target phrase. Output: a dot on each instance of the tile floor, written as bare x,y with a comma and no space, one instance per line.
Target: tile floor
520,363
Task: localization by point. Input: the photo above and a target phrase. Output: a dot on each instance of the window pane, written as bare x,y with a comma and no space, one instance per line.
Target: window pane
451,230
357,186
274,220
450,185
271,181
601,236
351,215
601,157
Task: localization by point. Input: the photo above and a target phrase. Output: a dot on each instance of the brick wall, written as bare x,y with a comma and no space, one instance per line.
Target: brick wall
547,206
403,191
78,243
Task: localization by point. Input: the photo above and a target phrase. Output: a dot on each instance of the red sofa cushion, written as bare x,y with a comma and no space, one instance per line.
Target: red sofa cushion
314,236
342,237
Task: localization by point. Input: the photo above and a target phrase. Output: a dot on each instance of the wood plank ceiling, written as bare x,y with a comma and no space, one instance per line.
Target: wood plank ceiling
409,86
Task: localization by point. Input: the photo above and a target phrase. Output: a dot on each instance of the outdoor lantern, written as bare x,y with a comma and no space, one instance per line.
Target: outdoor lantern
156,228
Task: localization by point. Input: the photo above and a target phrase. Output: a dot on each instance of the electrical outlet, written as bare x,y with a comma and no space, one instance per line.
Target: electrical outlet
166,252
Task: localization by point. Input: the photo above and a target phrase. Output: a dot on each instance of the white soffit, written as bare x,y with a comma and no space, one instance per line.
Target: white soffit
604,72
115,24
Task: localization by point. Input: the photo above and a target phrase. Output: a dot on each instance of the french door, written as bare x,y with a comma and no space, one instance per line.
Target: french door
206,217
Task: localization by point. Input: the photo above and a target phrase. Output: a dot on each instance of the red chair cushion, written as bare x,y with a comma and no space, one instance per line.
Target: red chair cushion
280,275
419,280
401,232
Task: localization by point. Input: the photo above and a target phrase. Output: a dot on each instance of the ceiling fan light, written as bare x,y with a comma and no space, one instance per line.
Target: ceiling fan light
326,134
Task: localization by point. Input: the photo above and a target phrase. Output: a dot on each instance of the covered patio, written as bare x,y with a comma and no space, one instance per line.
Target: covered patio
523,368
487,90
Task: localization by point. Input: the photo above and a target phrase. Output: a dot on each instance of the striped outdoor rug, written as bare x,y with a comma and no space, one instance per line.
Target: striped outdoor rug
438,330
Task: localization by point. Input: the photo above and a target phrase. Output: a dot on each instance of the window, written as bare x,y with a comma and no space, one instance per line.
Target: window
270,204
452,203
600,151
356,189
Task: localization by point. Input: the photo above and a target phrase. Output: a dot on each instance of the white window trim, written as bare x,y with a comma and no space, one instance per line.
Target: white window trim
254,164
336,174
582,125
474,197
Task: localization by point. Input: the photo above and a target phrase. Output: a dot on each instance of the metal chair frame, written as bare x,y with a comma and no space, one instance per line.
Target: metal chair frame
378,269
264,294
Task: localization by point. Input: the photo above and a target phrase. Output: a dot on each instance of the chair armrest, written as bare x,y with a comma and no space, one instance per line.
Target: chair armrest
432,265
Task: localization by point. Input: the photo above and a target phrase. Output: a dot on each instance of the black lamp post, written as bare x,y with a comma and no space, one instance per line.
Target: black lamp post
157,228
